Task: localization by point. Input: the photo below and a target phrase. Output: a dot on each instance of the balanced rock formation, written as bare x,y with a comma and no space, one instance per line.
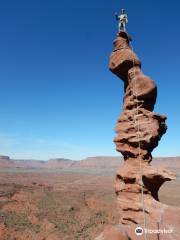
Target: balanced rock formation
138,130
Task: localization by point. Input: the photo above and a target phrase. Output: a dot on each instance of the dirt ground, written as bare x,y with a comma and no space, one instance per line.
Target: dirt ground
61,204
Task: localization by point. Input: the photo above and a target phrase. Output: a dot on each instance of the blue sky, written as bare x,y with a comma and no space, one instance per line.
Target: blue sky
58,98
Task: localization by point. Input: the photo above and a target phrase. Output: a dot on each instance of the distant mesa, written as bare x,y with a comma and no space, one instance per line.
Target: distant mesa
99,162
58,163
3,157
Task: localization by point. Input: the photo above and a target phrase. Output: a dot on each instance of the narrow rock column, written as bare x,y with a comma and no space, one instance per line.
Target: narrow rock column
138,130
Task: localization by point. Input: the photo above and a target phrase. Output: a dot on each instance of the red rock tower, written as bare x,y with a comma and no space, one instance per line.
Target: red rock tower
139,130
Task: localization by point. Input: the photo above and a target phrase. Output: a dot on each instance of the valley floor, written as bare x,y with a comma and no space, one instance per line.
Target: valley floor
61,204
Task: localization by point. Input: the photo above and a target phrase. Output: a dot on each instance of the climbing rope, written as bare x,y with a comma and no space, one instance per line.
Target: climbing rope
137,123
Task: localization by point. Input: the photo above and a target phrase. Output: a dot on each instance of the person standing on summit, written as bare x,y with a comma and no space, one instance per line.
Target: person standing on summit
123,20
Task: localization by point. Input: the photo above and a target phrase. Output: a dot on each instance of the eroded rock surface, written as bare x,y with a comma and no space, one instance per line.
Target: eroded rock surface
139,130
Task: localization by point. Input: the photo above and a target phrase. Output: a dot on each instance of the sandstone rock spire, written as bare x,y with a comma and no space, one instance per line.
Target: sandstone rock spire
138,130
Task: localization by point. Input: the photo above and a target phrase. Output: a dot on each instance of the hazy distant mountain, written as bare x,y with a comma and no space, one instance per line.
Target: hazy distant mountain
59,163
102,161
90,162
6,162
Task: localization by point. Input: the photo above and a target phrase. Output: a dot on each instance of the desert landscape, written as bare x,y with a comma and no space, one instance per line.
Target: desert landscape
65,199
79,80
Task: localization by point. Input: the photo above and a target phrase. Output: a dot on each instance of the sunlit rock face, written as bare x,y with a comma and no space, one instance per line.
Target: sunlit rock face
137,123
138,131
